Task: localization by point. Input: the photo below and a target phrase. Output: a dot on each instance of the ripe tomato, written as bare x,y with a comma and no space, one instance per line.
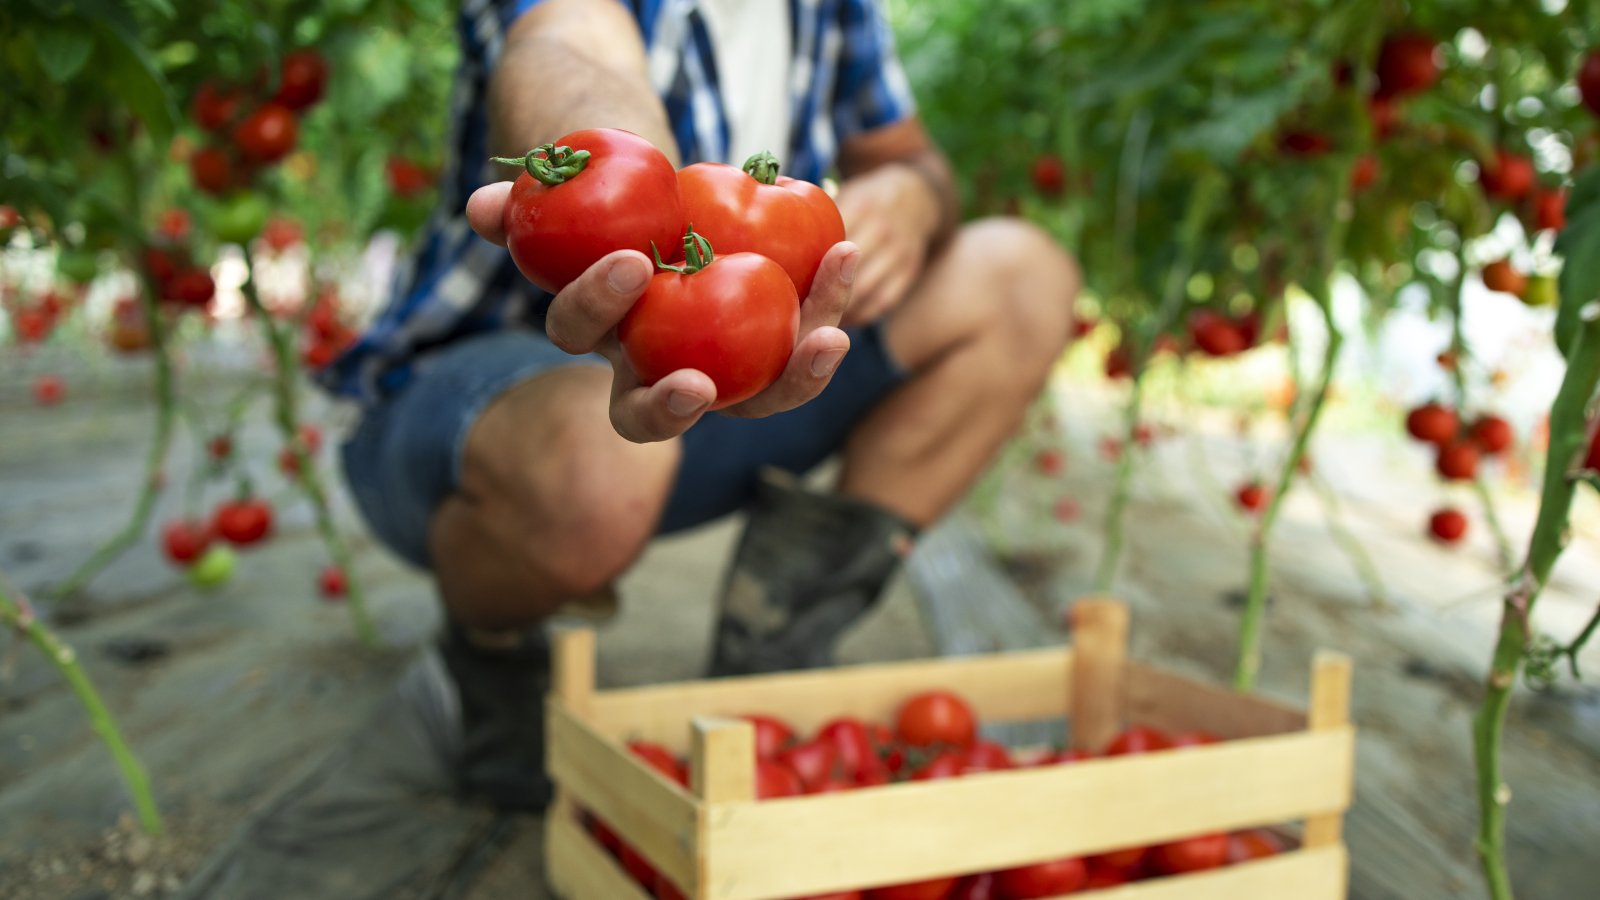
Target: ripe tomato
732,317
1126,861
1406,64
1593,460
590,193
754,210
243,521
851,744
161,264
267,135
32,325
1049,175
932,889
1196,854
1500,276
1364,173
986,756
1509,176
1432,423
173,224
1119,362
945,764
303,76
407,178
976,887
772,734
183,540
1050,461
214,107
774,780
1256,843
1447,526
1457,461
1194,739
1103,876
661,759
1549,209
937,717
839,895
666,890
192,287
1047,879
220,447
1589,81
48,390
212,171
812,760
1138,739
1304,143
1384,115
1492,434
634,863
1251,497
331,582
1215,334
318,354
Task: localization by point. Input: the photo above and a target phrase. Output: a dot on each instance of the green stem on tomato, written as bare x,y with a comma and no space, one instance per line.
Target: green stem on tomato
763,167
17,613
287,417
1569,436
550,164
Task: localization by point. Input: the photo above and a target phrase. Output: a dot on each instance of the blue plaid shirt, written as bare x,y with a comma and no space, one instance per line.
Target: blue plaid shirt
844,80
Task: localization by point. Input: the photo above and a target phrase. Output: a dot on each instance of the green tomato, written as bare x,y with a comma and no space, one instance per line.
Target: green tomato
214,569
1541,290
78,265
238,219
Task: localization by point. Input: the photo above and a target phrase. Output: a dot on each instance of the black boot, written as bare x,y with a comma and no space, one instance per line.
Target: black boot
502,718
807,566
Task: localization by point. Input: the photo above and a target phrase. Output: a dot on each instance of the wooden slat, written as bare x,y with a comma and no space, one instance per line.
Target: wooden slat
1175,703
656,817
1330,709
580,869
1100,653
912,831
722,763
1011,687
572,668
1302,875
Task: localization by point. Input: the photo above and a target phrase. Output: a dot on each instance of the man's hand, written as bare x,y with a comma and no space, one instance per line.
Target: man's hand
890,213
583,318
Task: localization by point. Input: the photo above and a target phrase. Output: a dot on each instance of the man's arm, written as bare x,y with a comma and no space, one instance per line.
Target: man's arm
899,202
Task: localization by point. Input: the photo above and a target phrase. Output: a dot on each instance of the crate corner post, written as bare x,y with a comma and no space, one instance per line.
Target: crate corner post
1099,665
722,770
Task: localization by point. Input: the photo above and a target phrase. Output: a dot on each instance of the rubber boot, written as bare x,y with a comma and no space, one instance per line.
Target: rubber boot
501,692
807,567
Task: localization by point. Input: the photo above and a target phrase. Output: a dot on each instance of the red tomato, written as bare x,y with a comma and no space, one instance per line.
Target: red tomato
774,780
192,287
331,582
407,178
1256,843
733,318
1215,334
1509,176
1102,876
634,863
851,743
173,224
303,78
976,887
666,890
1492,434
1500,276
1119,362
212,171
812,760
1127,861
1049,175
184,540
1593,462
932,889
318,354
214,107
1447,525
1384,114
873,772
243,521
603,835
161,264
1194,739
1138,739
1406,64
1433,423
948,764
754,210
48,390
32,325
1589,81
1251,497
1050,461
840,895
834,785
661,759
1457,462
267,135
1304,144
772,734
1549,209
1047,879
986,756
1196,854
937,717
595,192
1364,173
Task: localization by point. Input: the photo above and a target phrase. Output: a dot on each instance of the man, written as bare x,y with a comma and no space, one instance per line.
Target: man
499,451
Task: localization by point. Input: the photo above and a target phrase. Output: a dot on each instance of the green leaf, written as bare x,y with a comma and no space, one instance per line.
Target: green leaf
62,48
131,72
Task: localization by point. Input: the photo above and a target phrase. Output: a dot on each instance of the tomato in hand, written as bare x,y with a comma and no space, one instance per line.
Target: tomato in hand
302,79
1047,879
590,193
1196,854
268,134
184,540
755,210
937,717
243,521
1138,739
733,318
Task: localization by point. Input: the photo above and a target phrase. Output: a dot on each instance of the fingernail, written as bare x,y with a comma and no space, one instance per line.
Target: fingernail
825,362
683,403
847,271
626,276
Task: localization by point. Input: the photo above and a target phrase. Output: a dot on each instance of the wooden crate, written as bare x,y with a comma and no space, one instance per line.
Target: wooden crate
715,842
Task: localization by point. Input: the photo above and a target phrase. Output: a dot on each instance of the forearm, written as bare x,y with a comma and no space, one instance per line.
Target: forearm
937,182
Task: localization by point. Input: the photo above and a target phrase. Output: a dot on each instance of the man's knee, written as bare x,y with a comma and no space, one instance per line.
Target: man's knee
1036,281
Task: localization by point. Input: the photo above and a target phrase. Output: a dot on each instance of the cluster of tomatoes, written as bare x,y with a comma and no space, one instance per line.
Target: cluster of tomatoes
251,128
1458,453
935,736
324,334
732,308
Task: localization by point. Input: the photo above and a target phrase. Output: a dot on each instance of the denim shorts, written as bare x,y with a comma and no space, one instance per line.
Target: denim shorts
407,453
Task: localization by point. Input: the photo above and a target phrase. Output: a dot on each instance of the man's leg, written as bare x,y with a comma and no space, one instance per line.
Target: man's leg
977,336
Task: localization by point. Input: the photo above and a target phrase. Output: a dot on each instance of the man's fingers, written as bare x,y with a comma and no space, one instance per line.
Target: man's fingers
830,289
586,311
486,210
661,411
810,368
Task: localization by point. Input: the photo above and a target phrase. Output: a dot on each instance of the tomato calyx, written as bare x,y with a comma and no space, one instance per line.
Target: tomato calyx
550,164
696,254
763,167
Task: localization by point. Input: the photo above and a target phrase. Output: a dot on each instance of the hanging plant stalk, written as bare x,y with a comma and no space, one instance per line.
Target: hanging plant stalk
1458,349
16,612
287,417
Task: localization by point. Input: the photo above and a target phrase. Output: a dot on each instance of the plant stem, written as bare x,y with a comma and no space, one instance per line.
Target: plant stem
17,613
288,420
1458,348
